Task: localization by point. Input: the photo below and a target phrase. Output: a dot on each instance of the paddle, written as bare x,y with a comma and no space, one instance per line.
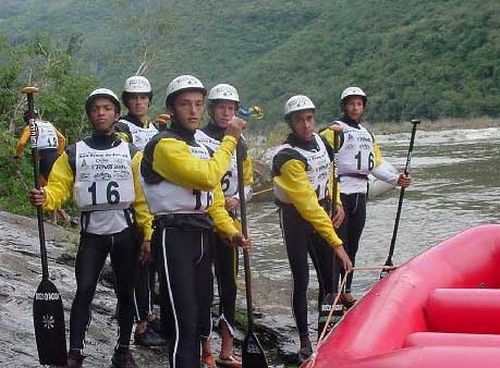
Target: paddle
253,355
326,304
388,261
48,312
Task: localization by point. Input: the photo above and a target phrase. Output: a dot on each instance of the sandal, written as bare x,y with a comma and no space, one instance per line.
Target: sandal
347,300
208,360
230,361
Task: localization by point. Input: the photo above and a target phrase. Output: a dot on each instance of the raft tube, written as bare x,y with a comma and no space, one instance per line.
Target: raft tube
440,309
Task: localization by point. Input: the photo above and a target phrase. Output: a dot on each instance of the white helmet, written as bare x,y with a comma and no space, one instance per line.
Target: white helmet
353,91
102,92
298,103
184,83
137,84
223,92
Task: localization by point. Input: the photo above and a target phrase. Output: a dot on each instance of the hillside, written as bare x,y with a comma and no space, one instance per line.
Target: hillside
426,59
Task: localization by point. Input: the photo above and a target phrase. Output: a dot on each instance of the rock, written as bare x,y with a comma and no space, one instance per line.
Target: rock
20,274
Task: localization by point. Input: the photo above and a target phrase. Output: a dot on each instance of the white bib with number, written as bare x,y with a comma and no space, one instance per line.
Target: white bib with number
103,178
47,136
140,136
318,169
166,197
357,155
229,181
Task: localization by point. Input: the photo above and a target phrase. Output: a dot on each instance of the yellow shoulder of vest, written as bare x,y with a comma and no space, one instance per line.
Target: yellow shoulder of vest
61,142
224,224
294,181
123,136
248,172
22,141
143,216
173,160
327,134
378,152
60,184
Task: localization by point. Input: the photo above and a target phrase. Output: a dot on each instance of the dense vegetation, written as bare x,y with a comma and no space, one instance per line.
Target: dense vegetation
418,58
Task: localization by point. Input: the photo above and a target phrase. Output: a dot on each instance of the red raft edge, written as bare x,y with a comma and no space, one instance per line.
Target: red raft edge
374,332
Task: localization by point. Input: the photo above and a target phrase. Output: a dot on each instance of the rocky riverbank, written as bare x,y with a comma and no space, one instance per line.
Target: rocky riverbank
20,274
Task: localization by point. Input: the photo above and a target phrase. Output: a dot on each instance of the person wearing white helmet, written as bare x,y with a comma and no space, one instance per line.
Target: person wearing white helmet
222,106
100,172
181,182
50,145
358,156
300,171
135,127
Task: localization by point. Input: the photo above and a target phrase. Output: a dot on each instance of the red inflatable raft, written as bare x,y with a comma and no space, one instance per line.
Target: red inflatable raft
440,309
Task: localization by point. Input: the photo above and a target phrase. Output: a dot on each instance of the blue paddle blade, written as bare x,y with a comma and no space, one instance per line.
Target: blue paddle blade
252,354
48,317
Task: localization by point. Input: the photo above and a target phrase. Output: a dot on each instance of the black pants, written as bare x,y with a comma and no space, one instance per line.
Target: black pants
300,240
143,293
226,270
90,258
350,231
185,290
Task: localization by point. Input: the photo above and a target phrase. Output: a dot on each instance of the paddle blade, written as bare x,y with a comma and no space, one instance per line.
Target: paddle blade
48,316
252,354
324,312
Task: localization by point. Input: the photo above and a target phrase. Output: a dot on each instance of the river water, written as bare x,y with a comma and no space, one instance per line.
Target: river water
456,186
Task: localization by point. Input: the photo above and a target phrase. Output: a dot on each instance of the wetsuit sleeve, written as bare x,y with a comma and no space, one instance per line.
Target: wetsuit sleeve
22,141
224,224
142,215
381,172
61,142
378,152
294,181
173,160
123,132
60,185
327,135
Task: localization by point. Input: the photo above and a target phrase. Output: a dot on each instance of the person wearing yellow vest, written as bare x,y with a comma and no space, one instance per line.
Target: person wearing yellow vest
301,172
182,186
358,156
222,105
136,128
50,144
101,172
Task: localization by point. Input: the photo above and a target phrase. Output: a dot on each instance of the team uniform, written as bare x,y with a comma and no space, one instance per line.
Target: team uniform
182,186
133,131
101,172
358,156
301,171
226,258
50,144
130,129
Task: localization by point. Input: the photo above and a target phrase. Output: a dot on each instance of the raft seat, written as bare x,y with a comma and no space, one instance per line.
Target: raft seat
468,311
450,339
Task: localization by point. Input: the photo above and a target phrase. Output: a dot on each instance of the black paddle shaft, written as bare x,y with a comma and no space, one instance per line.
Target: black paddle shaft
388,262
243,217
48,311
252,353
335,183
39,212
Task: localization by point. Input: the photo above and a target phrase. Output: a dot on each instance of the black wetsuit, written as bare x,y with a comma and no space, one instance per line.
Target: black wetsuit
123,248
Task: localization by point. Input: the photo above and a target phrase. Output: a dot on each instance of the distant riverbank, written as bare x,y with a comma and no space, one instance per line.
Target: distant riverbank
442,124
